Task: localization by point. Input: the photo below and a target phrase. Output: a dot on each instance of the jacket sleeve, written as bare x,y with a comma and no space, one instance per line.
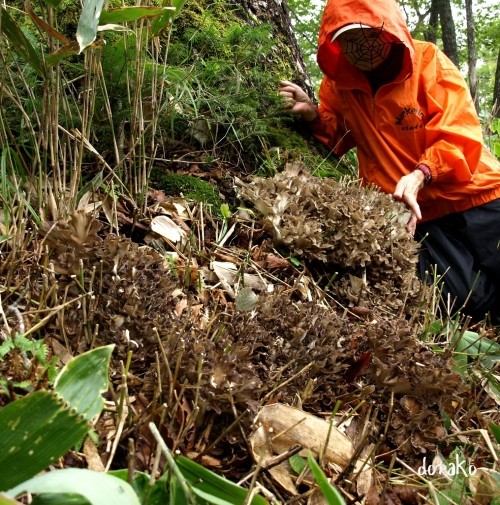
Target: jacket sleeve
454,138
329,127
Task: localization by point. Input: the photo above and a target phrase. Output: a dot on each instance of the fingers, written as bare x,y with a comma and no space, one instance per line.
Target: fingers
290,90
411,226
286,94
296,100
407,189
289,84
411,202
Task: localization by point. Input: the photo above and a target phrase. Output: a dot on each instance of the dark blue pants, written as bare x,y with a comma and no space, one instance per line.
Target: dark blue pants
465,249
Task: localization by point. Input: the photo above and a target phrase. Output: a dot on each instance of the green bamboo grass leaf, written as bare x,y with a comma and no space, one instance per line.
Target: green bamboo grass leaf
161,23
482,349
213,488
176,494
96,487
86,31
210,498
330,493
36,430
7,501
59,499
148,494
62,53
83,379
127,14
19,42
495,429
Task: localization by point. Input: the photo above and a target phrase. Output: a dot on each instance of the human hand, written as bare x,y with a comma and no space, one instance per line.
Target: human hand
406,190
297,101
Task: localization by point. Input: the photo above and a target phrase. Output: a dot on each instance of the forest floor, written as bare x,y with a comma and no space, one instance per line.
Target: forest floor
254,336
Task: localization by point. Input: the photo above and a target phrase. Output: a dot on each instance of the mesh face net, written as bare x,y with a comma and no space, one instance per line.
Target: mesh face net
366,48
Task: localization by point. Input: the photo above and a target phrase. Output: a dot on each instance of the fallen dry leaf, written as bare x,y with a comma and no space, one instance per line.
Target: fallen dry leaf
291,426
91,453
485,486
261,445
164,226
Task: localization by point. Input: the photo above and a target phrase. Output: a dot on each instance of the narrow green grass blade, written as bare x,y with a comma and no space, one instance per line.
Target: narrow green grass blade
36,430
208,484
331,495
98,488
83,379
176,494
19,43
86,31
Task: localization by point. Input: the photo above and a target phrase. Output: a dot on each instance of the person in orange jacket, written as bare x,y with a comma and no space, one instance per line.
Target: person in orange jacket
407,109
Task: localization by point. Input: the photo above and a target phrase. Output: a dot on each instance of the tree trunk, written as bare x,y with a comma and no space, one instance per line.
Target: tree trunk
448,33
431,33
496,90
471,52
276,13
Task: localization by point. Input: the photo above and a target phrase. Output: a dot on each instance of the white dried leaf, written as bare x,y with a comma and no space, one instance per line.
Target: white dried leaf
165,227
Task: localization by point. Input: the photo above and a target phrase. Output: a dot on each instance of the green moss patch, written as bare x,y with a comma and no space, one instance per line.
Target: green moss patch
188,187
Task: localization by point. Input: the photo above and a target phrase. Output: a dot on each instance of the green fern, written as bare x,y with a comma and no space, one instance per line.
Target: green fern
35,355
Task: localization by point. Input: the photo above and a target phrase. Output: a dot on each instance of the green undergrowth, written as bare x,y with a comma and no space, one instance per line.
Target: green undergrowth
187,186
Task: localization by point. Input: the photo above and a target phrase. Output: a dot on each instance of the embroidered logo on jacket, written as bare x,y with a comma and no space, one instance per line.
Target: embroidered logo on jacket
410,118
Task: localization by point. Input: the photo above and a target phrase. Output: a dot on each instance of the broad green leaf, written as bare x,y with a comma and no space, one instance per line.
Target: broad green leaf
7,501
460,361
83,379
126,14
477,347
19,43
36,430
495,125
59,499
98,488
330,493
162,22
208,484
148,494
63,52
496,149
86,31
297,463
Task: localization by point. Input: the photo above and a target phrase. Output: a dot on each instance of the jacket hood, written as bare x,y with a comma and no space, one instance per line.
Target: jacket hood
381,14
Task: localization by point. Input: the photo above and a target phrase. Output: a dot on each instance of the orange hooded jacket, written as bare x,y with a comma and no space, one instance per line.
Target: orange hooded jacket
424,115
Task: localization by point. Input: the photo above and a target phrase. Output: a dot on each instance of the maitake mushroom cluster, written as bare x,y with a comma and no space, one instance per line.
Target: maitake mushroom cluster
130,290
217,361
360,232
